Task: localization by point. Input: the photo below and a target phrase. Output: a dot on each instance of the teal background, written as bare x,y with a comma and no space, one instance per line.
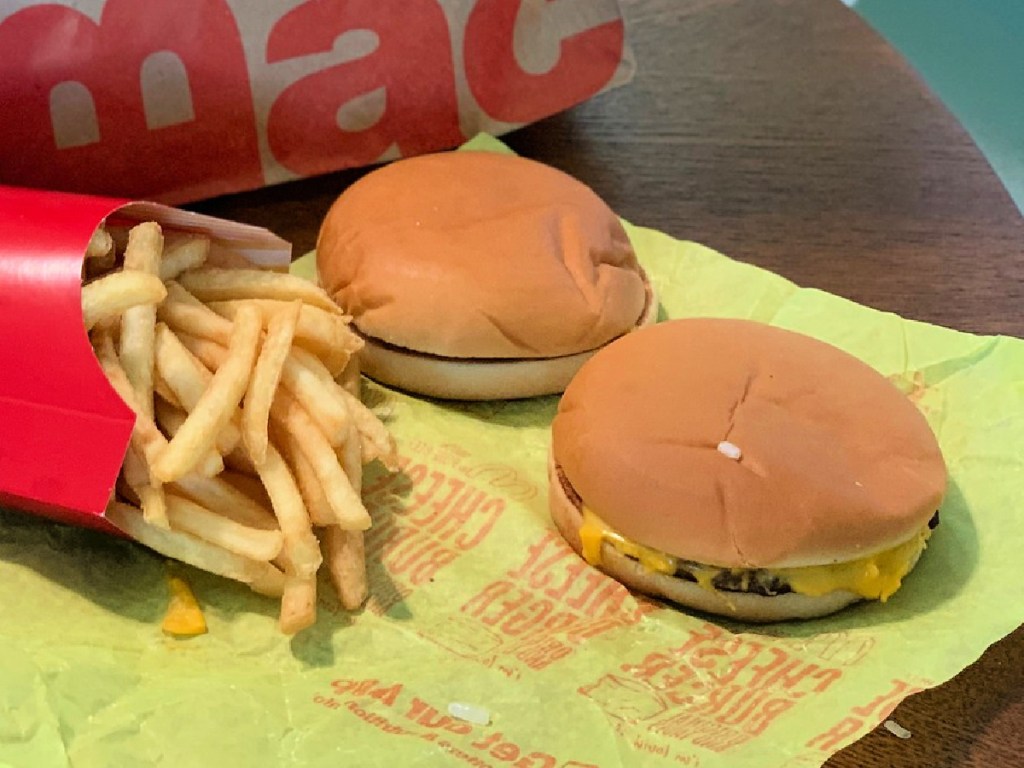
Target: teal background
971,54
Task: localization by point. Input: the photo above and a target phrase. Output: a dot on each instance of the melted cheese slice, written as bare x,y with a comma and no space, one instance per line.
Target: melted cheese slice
875,577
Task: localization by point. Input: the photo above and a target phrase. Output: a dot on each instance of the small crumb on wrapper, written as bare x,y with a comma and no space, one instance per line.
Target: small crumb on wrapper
469,712
729,449
896,729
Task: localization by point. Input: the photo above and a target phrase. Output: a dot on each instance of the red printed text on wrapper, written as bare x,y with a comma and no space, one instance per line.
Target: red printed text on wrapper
444,503
184,100
863,717
425,517
392,709
717,691
541,611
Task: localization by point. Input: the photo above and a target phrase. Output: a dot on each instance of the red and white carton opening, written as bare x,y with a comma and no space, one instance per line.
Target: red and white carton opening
63,429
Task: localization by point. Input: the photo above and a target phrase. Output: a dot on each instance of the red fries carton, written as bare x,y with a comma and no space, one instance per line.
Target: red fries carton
241,95
63,429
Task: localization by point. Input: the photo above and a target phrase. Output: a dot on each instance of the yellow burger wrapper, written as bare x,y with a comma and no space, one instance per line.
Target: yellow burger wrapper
487,641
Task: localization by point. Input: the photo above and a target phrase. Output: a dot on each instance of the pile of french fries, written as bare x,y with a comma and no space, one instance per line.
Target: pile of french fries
250,439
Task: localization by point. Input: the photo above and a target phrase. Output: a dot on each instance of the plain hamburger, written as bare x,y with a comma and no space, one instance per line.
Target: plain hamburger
743,470
477,275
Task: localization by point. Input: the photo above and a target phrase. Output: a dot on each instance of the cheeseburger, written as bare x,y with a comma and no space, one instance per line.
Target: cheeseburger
477,275
743,470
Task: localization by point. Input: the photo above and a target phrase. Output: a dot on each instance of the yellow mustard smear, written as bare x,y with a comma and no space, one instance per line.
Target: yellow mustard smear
875,577
184,617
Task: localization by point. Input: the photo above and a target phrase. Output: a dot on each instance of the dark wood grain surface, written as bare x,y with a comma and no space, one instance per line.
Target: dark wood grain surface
787,134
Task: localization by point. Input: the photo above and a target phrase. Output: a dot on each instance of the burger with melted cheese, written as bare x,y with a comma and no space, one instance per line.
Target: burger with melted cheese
477,275
743,470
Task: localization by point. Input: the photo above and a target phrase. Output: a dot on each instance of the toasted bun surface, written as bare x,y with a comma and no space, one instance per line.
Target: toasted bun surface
738,605
835,463
480,255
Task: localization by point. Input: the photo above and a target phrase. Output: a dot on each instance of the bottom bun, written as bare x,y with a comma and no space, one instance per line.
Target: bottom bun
743,606
471,379
452,378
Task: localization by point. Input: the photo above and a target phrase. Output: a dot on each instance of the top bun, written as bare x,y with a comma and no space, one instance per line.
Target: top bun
480,255
836,463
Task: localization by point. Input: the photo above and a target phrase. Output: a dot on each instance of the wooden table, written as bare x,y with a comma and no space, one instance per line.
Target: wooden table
786,133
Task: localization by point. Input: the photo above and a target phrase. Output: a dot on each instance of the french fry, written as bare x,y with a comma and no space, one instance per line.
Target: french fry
265,378
344,551
187,378
322,398
111,295
325,334
215,408
344,501
149,492
118,234
170,420
145,242
177,292
298,603
346,563
183,253
194,551
316,366
300,545
230,284
350,378
219,495
241,368
330,382
210,353
145,435
336,362
269,582
154,504
101,245
351,457
253,543
186,315
210,464
326,402
377,441
100,255
320,511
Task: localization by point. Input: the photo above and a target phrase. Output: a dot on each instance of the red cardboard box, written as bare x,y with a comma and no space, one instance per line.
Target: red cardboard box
63,429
